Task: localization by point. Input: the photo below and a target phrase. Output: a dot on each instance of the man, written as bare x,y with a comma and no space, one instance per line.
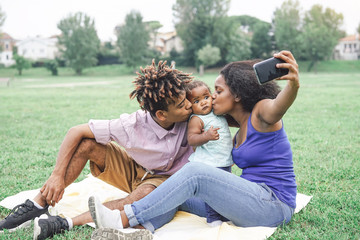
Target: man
153,146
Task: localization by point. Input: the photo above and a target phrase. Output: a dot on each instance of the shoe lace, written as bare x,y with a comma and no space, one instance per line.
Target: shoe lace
19,210
59,224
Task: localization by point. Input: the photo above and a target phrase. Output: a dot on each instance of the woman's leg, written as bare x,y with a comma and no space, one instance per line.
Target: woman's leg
192,205
242,202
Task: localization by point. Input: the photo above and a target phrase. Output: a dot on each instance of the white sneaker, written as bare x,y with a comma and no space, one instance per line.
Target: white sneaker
121,234
104,217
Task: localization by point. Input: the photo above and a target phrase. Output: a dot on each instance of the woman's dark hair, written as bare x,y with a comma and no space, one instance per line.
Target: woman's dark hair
155,88
194,84
241,79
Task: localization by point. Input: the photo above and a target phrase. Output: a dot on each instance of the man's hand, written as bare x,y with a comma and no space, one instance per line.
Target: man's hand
53,189
212,133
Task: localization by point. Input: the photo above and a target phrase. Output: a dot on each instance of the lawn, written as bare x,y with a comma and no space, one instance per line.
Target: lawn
323,127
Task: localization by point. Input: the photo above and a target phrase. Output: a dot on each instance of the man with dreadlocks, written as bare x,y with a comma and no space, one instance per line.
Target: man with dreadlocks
153,147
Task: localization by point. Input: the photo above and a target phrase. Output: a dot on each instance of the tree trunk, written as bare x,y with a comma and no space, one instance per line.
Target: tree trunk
201,70
311,65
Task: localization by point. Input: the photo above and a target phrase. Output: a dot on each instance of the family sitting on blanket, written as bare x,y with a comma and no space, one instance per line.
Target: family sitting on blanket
154,147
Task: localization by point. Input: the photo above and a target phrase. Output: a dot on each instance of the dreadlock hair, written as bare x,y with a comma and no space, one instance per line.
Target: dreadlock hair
194,84
241,79
156,88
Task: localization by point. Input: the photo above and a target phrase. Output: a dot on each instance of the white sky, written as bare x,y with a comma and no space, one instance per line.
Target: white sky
30,18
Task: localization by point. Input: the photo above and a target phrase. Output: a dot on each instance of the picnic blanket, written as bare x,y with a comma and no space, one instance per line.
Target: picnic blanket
184,226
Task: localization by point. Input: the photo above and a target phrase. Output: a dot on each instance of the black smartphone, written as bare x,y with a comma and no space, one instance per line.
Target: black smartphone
266,70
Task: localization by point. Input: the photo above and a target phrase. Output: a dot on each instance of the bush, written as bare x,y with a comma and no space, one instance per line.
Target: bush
38,63
21,63
177,57
52,66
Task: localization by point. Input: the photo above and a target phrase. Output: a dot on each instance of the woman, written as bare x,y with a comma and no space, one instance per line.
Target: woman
264,195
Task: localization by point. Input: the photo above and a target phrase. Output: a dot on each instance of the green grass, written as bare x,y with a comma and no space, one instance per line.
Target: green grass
323,127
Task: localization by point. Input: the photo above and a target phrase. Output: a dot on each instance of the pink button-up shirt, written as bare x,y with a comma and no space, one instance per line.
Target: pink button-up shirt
150,145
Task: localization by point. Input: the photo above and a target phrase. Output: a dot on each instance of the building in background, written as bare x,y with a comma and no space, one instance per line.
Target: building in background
165,42
7,44
38,48
348,48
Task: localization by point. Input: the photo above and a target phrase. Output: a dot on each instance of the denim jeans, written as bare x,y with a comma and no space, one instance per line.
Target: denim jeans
245,203
211,214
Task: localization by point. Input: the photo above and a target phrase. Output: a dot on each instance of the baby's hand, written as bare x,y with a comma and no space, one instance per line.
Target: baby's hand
212,133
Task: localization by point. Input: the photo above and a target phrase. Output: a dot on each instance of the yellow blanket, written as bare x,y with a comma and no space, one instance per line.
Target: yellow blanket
184,226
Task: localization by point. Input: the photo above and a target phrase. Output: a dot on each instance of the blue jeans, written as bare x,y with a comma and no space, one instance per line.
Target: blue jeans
245,203
211,214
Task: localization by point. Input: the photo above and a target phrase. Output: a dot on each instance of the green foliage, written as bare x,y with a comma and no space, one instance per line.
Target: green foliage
239,49
209,55
2,17
247,22
133,40
21,63
321,33
78,41
195,24
108,54
178,57
261,46
52,66
153,28
2,20
287,24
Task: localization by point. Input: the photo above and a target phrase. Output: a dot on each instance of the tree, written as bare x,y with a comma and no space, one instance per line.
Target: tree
321,33
133,38
2,17
358,29
2,20
52,66
153,28
195,22
208,55
287,27
247,22
239,47
78,41
21,63
261,46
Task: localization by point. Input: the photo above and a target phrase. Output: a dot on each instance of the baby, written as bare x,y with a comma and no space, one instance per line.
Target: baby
210,135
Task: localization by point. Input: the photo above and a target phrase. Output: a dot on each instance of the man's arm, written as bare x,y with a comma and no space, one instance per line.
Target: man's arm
196,135
55,185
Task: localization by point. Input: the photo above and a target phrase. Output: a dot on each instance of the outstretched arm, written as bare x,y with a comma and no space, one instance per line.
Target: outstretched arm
55,185
196,135
272,110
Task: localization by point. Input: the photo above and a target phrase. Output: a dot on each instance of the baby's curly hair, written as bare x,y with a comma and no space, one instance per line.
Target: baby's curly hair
155,88
241,79
194,84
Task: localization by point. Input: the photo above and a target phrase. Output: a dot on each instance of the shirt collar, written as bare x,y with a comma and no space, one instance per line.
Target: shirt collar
160,131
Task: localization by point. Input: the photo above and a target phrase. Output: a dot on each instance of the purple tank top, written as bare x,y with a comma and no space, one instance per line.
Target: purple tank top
267,158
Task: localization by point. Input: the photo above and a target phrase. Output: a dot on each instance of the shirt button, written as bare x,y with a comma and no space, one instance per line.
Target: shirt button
171,158
168,140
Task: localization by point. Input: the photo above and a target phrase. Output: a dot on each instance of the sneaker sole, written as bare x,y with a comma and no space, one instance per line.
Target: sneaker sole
23,225
93,212
37,228
114,234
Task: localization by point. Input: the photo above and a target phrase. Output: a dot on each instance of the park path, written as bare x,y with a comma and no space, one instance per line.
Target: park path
73,84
